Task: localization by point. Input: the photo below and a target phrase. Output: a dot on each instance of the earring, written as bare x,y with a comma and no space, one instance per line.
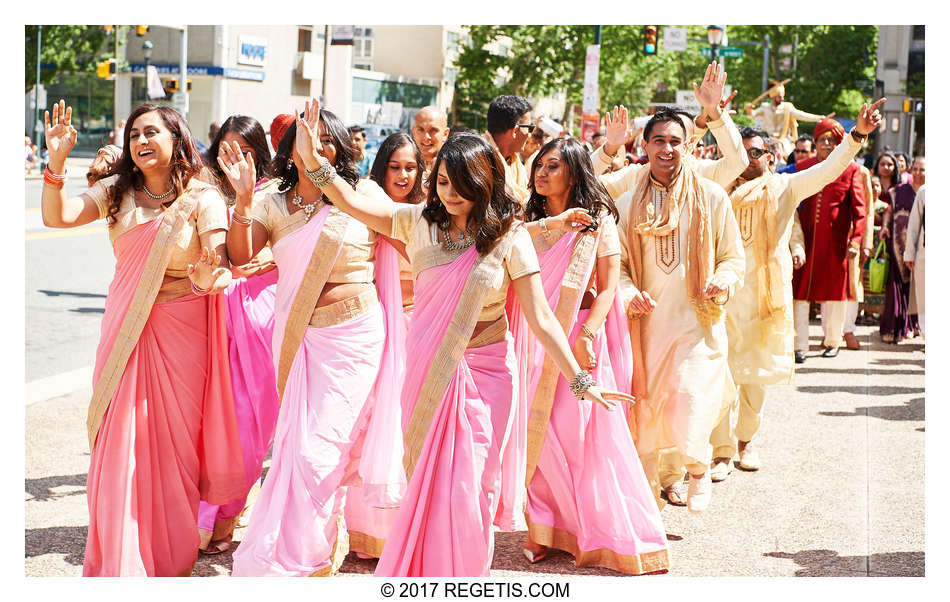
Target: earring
290,163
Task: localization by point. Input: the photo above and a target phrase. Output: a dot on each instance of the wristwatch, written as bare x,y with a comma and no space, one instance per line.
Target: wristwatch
857,136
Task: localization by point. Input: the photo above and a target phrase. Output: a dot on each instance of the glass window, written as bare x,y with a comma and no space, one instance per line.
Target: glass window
918,32
304,37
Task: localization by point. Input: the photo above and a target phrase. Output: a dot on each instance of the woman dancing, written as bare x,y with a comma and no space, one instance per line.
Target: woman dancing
161,421
465,248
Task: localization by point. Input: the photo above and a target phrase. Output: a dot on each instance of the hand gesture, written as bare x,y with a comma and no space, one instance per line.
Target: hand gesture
572,220
607,399
205,273
797,262
715,288
641,304
725,101
869,118
61,136
865,254
709,94
616,126
308,139
238,168
584,353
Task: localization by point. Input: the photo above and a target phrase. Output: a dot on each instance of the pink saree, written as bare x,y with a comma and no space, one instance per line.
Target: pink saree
456,415
161,420
336,375
587,494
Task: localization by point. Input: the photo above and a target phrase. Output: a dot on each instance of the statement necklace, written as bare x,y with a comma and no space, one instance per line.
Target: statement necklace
463,241
308,208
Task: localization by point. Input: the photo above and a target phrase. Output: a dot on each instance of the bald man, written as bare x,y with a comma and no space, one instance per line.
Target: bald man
430,129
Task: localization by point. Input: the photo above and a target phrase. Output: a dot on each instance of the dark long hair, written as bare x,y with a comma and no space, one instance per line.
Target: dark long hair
253,133
186,160
282,167
477,174
586,190
896,175
390,145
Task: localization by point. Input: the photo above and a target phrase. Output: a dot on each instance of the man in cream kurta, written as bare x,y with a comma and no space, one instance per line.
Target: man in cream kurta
780,118
761,347
684,351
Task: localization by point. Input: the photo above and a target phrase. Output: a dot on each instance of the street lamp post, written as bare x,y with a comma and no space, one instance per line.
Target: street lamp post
147,49
714,33
37,130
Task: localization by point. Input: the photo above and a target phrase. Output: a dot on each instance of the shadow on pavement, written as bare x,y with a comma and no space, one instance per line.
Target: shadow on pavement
911,410
70,294
890,361
827,563
89,310
877,390
872,371
42,489
70,541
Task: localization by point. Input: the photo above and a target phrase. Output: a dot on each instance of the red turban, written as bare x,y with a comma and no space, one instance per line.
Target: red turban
829,125
279,127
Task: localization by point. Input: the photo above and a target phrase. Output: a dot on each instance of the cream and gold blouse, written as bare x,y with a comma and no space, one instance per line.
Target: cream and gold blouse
211,214
356,261
424,247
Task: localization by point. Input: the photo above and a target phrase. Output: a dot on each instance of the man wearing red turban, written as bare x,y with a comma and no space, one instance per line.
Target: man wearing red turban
833,224
278,127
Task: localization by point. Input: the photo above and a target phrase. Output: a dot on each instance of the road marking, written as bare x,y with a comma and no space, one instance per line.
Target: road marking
66,233
58,384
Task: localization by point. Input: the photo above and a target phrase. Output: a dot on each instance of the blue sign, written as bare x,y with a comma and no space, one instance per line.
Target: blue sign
230,73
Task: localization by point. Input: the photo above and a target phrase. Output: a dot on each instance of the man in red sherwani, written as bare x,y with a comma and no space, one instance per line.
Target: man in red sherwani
833,223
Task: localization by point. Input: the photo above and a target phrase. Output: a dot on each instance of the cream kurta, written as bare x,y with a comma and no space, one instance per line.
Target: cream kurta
770,361
774,122
721,171
687,374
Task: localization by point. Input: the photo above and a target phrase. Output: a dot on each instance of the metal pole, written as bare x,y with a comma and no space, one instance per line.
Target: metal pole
183,67
795,55
765,65
912,117
326,51
37,130
115,78
597,34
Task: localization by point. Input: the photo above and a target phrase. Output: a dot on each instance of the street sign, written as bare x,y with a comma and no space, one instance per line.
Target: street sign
729,52
687,100
591,76
590,123
674,39
180,102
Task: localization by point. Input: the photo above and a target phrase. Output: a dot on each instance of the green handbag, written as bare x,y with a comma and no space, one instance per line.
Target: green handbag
877,269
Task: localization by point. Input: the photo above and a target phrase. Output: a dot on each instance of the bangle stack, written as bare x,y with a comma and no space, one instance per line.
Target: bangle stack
54,179
323,175
199,291
240,219
582,381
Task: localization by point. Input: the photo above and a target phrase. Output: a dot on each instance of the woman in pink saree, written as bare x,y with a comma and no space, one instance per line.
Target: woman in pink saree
587,494
398,170
337,370
161,421
466,249
249,303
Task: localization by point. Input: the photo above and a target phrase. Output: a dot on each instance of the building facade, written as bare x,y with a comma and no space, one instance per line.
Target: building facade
900,71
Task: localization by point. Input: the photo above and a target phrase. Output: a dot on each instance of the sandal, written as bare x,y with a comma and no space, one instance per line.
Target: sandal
675,494
535,556
216,547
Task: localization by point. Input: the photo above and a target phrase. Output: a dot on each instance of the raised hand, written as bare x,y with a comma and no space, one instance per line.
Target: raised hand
239,169
205,272
608,399
709,94
61,136
616,126
308,134
725,101
869,118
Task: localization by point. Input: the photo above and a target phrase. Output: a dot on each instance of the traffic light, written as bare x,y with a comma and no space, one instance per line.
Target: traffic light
912,105
171,85
649,39
141,30
105,69
108,28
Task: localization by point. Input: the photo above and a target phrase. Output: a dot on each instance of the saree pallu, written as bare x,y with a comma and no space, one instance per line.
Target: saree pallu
168,437
250,325
443,527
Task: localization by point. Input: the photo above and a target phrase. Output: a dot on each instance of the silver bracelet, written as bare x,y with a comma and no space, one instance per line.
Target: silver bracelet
543,222
240,219
322,176
582,381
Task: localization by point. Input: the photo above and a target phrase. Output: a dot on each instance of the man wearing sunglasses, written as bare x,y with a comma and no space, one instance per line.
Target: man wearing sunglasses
509,124
804,148
759,316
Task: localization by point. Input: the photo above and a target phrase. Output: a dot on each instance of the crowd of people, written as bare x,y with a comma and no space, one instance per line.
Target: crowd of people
509,329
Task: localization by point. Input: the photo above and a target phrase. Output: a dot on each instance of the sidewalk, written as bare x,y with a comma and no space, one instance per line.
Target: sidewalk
840,492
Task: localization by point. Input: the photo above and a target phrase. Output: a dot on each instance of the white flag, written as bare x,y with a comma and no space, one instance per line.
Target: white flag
155,89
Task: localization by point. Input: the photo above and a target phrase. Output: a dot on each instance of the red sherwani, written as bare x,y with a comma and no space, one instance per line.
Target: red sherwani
831,220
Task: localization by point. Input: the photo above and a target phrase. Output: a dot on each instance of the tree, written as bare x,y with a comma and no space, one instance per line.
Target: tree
64,48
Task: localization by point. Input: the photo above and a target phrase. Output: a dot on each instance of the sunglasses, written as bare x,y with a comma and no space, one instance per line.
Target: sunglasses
755,153
530,126
799,151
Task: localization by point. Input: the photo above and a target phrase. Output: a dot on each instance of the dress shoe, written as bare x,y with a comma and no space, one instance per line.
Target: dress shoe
675,494
721,468
851,341
699,493
830,352
799,357
749,459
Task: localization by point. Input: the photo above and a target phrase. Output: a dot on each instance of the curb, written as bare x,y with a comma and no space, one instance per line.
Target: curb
58,385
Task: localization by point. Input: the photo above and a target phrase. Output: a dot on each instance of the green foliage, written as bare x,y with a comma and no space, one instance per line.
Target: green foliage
835,67
67,48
